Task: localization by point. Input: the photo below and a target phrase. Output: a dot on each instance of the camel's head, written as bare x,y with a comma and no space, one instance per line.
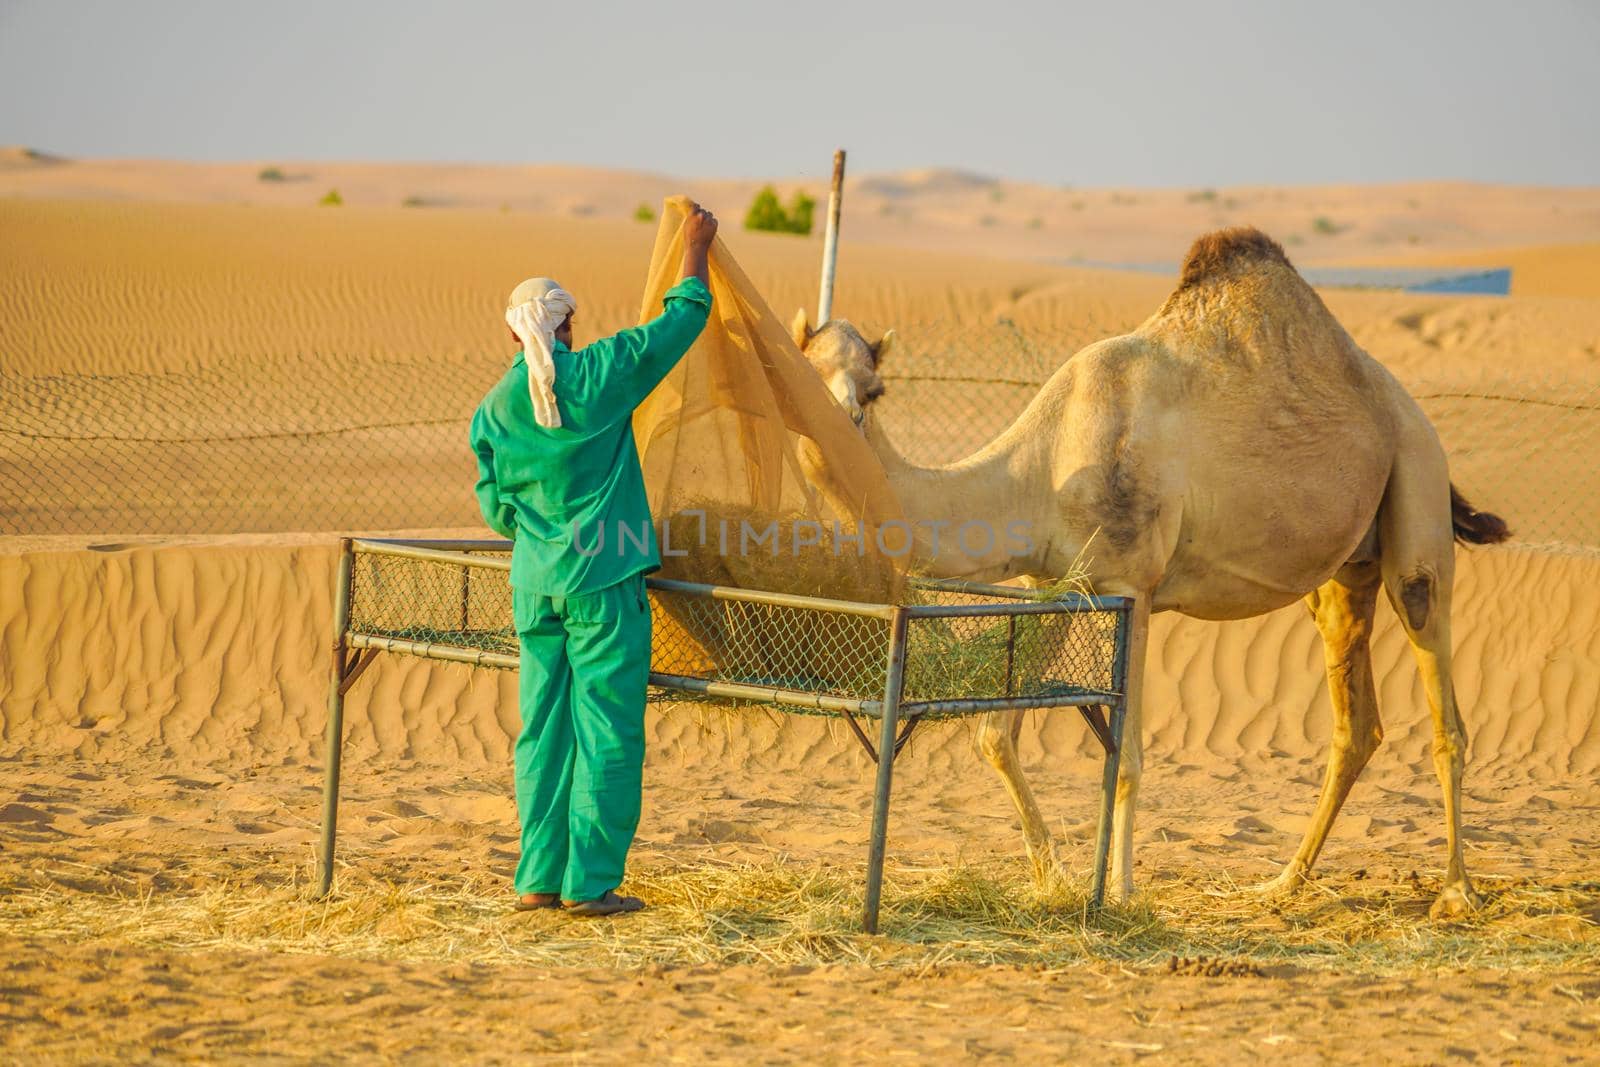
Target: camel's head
847,362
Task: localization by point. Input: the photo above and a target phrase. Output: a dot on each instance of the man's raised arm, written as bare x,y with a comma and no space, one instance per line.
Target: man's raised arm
642,356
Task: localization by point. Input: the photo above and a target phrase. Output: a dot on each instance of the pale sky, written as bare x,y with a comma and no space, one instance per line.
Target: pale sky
1207,92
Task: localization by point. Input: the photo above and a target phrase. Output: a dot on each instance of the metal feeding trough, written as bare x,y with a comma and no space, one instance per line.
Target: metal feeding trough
951,649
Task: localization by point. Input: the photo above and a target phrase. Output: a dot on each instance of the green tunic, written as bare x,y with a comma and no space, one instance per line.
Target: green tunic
573,497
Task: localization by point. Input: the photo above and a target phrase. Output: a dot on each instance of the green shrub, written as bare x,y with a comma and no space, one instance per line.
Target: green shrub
1324,225
766,213
271,174
1036,223
413,201
1202,196
644,213
332,199
801,208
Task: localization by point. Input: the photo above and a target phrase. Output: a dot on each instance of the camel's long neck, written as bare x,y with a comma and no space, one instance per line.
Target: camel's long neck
971,518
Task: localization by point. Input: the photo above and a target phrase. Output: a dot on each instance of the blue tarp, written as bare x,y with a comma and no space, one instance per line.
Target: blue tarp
1493,281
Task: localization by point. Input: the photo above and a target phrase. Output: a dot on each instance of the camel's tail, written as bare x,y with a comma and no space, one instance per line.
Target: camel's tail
1474,527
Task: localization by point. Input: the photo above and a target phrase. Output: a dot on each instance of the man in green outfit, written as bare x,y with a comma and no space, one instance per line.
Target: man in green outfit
558,472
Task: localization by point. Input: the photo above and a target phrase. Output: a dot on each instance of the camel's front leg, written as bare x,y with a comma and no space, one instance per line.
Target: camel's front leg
997,741
1130,766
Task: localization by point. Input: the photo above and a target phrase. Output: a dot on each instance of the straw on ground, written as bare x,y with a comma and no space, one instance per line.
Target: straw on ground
792,913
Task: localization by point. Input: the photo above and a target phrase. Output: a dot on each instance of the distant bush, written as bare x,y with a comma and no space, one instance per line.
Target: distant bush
1202,196
997,194
271,174
1036,223
413,201
766,213
644,213
1326,226
800,212
331,199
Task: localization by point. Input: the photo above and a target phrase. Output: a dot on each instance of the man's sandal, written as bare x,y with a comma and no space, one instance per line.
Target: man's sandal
529,902
609,904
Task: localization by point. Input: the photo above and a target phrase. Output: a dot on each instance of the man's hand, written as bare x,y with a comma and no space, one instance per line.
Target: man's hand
700,228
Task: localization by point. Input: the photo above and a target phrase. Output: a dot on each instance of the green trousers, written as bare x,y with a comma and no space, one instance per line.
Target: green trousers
580,756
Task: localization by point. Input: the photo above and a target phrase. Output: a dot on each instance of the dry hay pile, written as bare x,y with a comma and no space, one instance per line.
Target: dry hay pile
787,913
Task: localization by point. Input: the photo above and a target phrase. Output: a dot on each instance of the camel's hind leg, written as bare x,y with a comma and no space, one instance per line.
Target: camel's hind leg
997,740
1418,560
1343,609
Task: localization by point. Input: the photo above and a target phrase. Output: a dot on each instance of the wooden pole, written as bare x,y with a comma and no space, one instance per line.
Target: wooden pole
830,241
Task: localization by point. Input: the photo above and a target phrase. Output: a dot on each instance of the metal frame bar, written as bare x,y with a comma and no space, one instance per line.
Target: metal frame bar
1076,602
1108,775
1103,710
433,650
765,694
980,705
1021,607
893,684
333,746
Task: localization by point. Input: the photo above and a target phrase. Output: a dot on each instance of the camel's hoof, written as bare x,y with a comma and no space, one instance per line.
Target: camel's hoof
1286,884
1048,870
1456,902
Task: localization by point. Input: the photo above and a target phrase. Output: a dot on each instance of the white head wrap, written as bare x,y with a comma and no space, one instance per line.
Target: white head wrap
537,309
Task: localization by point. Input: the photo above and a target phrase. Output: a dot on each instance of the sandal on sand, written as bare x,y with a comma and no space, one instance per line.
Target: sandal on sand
609,904
524,904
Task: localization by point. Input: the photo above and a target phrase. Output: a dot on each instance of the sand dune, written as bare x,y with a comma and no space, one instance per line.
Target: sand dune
219,653
942,209
162,695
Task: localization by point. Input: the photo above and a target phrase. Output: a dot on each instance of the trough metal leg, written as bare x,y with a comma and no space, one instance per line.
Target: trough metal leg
1108,803
334,745
893,685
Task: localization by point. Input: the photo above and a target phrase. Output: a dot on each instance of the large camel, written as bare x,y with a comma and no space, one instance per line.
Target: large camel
1236,452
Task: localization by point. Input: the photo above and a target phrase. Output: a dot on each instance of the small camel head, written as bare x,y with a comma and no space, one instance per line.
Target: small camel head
847,362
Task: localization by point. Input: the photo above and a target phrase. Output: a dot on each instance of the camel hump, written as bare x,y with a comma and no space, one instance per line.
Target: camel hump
1225,252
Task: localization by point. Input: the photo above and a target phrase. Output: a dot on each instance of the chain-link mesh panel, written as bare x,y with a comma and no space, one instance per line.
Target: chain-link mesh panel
1007,654
433,601
809,650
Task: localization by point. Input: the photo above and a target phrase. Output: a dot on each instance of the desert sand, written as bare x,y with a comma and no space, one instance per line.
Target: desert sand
162,695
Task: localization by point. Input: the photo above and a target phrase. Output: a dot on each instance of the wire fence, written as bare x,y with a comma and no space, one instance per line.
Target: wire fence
1523,444
322,444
